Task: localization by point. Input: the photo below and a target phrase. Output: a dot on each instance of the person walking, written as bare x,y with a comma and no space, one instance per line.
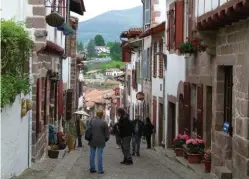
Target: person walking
138,126
148,131
100,135
125,129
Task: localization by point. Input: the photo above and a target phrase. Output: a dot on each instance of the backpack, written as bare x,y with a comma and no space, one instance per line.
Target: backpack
89,133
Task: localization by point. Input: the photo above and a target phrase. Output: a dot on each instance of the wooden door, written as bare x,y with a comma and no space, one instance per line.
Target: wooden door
160,125
200,110
187,122
181,114
69,104
154,118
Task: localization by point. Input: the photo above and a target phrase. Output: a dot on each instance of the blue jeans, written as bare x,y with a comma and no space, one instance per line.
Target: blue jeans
92,159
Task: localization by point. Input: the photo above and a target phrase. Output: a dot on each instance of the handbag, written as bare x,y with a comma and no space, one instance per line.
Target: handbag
88,135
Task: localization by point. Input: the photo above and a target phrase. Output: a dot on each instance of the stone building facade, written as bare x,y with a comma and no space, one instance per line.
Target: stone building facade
218,89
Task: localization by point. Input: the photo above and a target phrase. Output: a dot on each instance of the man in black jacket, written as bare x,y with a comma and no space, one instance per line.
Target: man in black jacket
125,129
138,126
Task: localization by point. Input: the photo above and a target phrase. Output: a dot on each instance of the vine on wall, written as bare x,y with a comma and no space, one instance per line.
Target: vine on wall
16,46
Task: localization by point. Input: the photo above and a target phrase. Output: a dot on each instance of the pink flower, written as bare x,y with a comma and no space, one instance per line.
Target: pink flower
185,136
175,139
200,141
194,141
178,136
189,141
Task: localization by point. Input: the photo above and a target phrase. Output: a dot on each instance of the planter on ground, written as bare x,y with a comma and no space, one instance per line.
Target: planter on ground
179,152
194,158
207,164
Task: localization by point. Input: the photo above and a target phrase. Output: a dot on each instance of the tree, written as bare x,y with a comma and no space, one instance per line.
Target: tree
109,44
91,51
99,40
115,51
80,47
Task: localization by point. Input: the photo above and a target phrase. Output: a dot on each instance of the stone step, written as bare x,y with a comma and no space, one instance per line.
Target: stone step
222,172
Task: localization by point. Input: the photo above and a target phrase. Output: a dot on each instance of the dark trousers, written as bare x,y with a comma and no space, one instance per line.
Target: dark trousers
136,140
148,140
118,140
126,149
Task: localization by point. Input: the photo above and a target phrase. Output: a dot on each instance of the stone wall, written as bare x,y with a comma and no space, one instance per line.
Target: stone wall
232,48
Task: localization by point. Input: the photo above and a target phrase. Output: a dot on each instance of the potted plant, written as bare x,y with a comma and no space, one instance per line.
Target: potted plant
207,161
190,47
178,142
195,150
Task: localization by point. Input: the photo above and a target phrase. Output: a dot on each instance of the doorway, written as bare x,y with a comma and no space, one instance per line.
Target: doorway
171,123
208,116
181,114
160,130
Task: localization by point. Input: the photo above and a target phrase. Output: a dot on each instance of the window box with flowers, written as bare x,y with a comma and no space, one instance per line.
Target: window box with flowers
207,161
195,150
190,47
178,143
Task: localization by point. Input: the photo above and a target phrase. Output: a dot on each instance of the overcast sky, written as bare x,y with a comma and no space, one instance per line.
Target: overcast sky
97,7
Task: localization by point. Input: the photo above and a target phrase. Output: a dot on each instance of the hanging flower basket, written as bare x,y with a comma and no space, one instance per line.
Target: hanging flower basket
190,47
66,29
54,19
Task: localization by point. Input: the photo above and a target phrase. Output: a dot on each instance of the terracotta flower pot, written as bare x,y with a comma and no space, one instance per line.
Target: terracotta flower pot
207,164
179,152
194,158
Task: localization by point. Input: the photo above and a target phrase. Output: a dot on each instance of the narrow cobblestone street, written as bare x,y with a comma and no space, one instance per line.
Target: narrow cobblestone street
75,166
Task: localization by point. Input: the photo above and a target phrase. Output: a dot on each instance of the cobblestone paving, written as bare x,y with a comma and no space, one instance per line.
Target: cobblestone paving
75,166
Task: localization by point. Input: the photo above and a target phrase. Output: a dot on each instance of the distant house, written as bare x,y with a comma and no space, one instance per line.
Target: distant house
102,49
113,72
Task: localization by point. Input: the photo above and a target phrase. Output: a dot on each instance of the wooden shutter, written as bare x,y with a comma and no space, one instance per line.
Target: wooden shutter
60,98
126,55
69,104
47,100
160,70
154,111
190,18
168,30
200,110
187,106
38,105
179,23
172,25
155,60
129,85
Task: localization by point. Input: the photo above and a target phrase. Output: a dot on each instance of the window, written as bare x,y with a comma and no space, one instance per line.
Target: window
228,93
175,25
160,70
155,60
147,12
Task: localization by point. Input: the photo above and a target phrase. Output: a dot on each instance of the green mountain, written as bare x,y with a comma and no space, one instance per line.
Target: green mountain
110,24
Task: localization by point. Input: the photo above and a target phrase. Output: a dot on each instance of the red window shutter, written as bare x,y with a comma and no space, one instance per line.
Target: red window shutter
160,70
38,105
168,30
190,18
200,110
179,23
126,55
155,60
60,98
187,123
154,111
46,101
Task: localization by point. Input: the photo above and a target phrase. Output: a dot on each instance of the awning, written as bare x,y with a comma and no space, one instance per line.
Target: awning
51,48
133,43
82,113
77,6
154,30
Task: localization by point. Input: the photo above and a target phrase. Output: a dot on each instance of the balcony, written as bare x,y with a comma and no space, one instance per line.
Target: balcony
214,14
